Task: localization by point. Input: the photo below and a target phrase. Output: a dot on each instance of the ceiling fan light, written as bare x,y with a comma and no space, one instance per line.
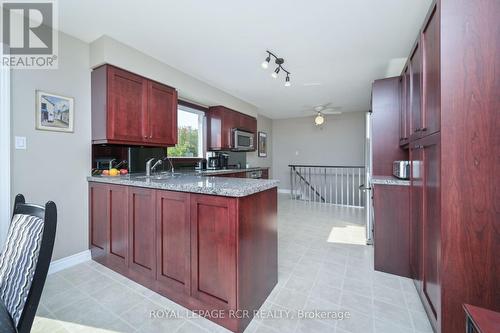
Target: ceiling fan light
319,119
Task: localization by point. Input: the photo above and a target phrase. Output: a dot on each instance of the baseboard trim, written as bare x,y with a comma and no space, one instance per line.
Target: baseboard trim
67,262
284,191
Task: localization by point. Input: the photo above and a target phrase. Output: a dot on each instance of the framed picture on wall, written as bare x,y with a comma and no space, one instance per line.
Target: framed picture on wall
54,112
262,144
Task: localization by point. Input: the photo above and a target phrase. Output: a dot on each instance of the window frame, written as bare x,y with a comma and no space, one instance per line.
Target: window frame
202,124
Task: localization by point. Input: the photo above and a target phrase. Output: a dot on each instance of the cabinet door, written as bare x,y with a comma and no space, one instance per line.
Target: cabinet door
415,93
98,216
213,250
118,226
127,109
142,239
431,222
162,114
403,112
230,121
391,229
108,225
248,123
431,77
214,128
416,210
173,241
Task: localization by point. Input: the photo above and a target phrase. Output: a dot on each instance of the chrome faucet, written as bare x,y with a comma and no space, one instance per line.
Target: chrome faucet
171,165
150,168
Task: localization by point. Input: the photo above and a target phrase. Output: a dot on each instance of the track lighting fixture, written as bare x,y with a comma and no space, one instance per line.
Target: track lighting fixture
279,62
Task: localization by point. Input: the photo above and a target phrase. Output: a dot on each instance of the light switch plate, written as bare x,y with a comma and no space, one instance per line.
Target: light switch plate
20,142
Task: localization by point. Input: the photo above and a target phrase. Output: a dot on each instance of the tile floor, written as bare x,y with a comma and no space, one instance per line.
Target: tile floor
322,266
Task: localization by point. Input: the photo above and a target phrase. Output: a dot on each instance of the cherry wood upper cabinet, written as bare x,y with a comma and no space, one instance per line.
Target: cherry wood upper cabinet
415,92
221,121
162,112
386,126
173,241
404,116
431,108
213,250
130,109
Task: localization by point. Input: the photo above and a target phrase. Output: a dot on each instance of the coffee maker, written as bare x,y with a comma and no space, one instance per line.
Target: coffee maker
218,161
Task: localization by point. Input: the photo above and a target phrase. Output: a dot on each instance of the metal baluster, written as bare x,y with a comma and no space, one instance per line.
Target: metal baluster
336,186
330,183
359,184
352,173
308,171
324,188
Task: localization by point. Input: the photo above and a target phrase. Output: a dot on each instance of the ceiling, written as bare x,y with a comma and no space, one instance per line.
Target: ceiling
333,48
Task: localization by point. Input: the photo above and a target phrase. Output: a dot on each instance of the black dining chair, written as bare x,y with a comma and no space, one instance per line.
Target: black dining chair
24,263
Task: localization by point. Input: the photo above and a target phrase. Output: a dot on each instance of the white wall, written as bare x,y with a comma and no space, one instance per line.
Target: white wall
341,141
54,165
264,124
107,50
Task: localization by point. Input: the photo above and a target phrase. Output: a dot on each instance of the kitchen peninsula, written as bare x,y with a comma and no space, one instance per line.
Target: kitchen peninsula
207,243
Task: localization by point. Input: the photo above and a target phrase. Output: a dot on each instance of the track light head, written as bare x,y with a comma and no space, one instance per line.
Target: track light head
275,73
265,63
287,81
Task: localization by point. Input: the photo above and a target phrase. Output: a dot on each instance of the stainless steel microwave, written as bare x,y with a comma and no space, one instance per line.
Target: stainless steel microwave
242,140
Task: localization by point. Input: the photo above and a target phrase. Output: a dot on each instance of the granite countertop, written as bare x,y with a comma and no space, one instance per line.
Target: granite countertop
389,180
193,183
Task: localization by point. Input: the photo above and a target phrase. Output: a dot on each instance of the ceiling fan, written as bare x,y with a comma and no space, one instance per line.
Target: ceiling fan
322,110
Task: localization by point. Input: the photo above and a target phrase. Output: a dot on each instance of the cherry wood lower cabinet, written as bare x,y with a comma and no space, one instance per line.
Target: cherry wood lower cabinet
109,225
213,250
392,229
204,252
141,206
173,242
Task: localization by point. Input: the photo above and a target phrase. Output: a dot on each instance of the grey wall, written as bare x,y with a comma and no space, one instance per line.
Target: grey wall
264,124
341,141
55,165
